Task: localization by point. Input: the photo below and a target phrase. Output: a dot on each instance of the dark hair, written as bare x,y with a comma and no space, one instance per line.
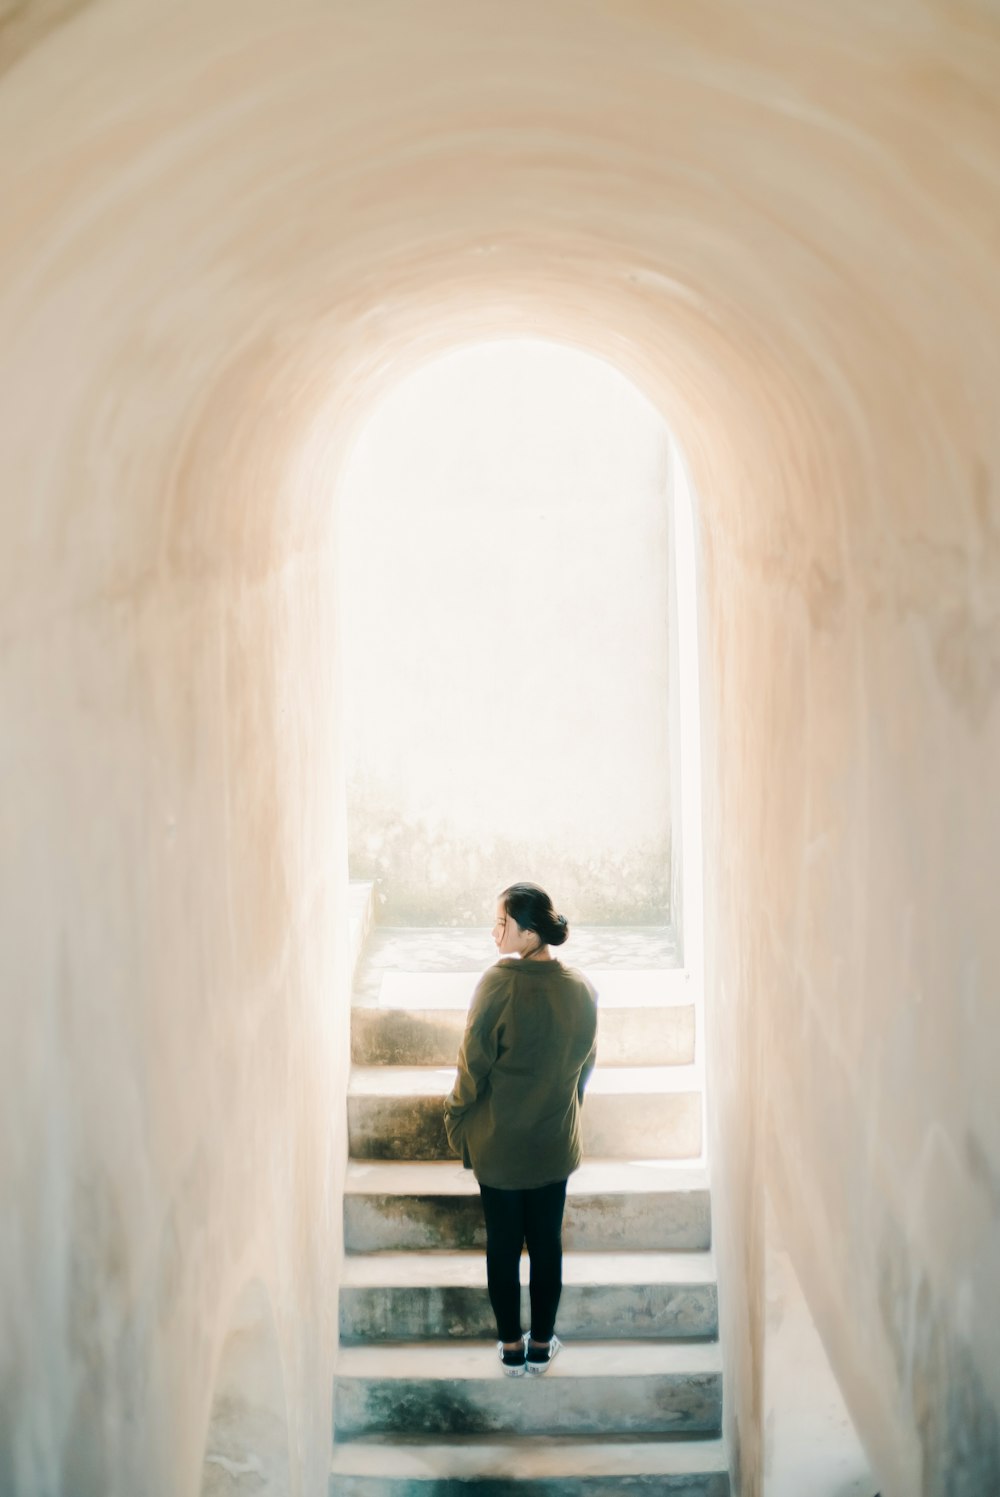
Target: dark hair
532,908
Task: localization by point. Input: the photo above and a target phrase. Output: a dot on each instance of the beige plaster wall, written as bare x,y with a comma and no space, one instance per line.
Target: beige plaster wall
175,858
226,230
810,1443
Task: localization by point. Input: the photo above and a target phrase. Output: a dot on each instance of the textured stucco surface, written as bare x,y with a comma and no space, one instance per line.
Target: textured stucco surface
227,229
810,1444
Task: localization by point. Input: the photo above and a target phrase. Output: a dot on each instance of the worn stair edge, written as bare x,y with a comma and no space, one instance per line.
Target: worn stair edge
581,1362
617,988
611,1206
529,1467
593,1388
431,1037
371,1313
604,1177
417,1296
437,1081
396,1112
468,1269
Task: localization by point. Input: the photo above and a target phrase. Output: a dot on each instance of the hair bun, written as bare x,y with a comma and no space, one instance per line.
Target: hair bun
532,909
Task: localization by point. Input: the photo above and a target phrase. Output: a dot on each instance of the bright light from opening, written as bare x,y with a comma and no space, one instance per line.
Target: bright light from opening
506,605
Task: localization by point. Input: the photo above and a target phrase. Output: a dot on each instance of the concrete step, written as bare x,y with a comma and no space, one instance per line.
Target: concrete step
610,1206
494,1466
418,1018
418,1296
602,1388
648,1112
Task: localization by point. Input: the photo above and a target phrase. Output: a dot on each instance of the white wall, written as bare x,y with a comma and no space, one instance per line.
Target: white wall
505,584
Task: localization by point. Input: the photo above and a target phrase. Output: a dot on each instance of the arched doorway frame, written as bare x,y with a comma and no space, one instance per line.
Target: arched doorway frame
688,872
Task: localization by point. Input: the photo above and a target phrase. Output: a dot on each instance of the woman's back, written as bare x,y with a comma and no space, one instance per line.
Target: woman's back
514,1113
528,1051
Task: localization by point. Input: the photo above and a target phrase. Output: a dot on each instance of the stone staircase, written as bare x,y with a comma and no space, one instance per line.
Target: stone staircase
421,1407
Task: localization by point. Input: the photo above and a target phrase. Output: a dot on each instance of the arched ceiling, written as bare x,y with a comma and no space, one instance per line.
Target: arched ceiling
227,223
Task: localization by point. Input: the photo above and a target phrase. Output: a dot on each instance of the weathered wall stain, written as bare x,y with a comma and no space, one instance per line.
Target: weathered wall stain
967,657
984,1171
956,1415
24,24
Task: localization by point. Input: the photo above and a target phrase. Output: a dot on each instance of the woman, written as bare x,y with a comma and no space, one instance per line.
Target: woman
514,1113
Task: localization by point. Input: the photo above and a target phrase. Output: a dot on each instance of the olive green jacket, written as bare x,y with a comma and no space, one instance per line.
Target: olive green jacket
529,1048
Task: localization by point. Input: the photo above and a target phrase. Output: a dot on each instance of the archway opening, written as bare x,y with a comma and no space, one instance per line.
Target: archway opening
511,660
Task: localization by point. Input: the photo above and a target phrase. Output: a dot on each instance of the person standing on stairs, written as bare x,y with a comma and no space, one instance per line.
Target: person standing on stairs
513,1114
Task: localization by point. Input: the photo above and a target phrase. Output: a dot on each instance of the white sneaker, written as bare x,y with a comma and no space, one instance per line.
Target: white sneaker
537,1361
515,1368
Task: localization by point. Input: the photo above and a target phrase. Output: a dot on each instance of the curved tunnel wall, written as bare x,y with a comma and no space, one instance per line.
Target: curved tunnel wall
231,228
246,1447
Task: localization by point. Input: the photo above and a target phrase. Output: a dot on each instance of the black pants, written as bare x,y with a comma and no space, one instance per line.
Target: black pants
513,1218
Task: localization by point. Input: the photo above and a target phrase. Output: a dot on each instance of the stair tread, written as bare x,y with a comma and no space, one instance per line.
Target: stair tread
436,992
437,1081
414,987
475,1361
422,1269
528,1457
434,1177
